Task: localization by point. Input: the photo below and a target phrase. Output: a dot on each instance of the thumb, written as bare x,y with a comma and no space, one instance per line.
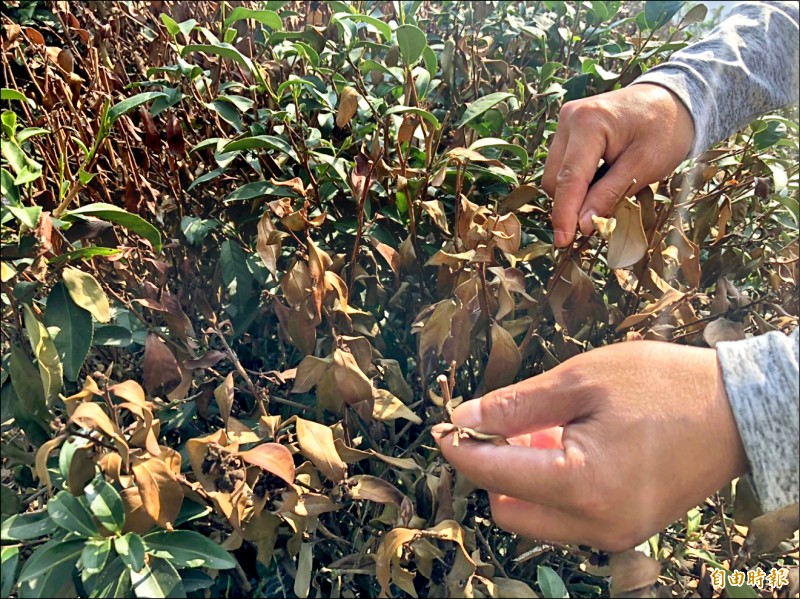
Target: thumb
537,403
603,195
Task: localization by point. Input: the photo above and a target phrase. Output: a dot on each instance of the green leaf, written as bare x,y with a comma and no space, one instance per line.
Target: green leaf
697,14
8,120
220,49
74,338
9,559
235,274
51,555
105,503
430,61
413,110
28,387
87,293
84,254
501,144
266,17
195,580
768,133
550,583
50,368
175,28
481,105
117,110
8,188
54,563
27,169
118,216
29,132
412,42
27,216
657,13
189,549
196,229
157,579
112,335
9,500
130,548
25,527
12,94
260,141
71,514
227,112
379,26
94,555
114,581
257,189
84,177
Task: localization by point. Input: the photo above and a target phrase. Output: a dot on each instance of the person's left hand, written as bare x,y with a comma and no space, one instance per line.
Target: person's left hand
647,434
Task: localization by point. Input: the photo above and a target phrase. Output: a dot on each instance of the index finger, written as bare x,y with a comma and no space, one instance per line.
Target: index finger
576,172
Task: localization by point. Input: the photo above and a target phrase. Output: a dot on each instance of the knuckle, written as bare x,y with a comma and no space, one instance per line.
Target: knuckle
568,175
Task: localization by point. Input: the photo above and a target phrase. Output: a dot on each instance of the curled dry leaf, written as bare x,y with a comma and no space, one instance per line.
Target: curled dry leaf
161,371
518,198
268,244
389,407
628,243
91,416
504,359
316,443
364,486
632,572
224,396
273,458
161,494
130,391
723,329
309,372
348,104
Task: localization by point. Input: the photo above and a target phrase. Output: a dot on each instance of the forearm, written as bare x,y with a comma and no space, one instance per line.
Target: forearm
746,66
761,380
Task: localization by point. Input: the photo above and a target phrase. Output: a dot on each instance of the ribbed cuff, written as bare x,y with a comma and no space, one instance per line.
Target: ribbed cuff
761,379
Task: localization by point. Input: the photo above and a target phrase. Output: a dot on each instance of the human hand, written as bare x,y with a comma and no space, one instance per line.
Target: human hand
642,132
647,434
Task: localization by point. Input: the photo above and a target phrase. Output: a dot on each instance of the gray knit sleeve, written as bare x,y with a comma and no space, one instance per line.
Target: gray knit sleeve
745,66
761,379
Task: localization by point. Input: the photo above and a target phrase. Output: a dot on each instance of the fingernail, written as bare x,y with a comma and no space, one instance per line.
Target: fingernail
468,414
561,239
587,226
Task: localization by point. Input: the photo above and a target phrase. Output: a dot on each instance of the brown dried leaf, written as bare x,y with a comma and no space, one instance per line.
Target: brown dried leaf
295,184
41,462
518,198
628,243
632,571
130,391
161,494
309,372
267,246
504,359
161,371
435,209
175,141
224,396
92,416
507,233
273,458
723,329
389,254
136,517
389,407
364,486
348,105
387,558
433,334
208,360
316,443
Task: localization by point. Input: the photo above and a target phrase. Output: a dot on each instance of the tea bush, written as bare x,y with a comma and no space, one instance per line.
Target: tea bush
253,251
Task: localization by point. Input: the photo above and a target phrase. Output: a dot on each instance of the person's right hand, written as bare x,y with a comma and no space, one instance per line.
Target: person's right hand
647,434
642,132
